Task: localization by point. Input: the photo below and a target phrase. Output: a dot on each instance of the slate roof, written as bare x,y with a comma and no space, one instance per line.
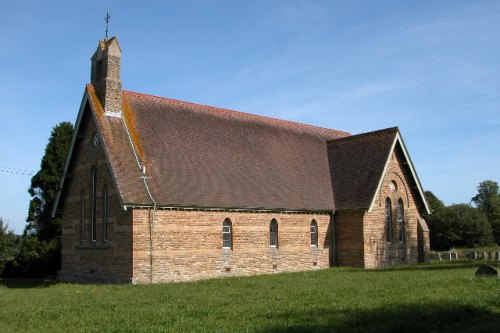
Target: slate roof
357,163
201,156
357,166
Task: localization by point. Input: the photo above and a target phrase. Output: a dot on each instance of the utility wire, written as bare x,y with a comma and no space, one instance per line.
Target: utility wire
16,171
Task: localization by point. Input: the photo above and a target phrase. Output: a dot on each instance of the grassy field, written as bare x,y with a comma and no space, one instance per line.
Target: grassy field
428,298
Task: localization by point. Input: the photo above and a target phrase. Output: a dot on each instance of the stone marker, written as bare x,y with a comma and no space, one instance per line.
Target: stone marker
473,255
486,270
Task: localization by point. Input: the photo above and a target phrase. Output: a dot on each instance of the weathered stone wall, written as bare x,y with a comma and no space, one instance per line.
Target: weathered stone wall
377,251
85,260
182,245
105,75
349,238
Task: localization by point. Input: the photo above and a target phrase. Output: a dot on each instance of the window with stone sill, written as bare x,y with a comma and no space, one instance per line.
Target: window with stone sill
314,233
93,224
400,221
227,234
273,233
388,220
82,215
105,212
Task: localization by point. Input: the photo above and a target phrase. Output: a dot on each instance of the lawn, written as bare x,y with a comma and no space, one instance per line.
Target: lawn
428,298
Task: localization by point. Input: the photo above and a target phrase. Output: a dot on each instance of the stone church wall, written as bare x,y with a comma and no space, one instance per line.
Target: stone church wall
377,251
182,245
84,260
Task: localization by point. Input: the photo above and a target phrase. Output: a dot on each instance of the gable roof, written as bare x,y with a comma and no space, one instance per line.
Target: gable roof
358,164
199,156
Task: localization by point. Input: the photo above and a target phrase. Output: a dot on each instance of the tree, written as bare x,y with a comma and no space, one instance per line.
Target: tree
40,252
460,225
488,201
8,244
45,184
435,204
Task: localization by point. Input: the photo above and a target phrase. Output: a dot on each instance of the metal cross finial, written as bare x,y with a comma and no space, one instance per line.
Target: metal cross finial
106,18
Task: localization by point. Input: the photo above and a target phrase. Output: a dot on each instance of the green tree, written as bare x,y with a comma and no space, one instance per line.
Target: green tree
460,225
40,252
8,244
435,204
45,184
487,200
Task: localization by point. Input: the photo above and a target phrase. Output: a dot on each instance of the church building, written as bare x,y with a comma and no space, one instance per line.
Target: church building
160,190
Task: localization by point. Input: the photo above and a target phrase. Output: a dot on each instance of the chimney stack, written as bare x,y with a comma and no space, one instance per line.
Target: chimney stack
105,76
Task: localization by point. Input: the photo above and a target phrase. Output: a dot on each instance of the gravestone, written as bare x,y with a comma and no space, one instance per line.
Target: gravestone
473,255
486,270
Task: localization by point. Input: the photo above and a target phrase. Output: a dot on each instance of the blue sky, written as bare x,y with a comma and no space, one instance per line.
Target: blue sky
430,67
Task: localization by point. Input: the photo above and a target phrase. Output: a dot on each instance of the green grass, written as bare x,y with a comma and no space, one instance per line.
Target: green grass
427,298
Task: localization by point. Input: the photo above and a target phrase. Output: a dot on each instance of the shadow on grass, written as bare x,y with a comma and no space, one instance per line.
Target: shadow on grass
396,318
26,283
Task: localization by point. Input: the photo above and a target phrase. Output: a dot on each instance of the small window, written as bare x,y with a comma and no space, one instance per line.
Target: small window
227,234
93,230
273,233
388,220
400,219
82,215
105,212
314,233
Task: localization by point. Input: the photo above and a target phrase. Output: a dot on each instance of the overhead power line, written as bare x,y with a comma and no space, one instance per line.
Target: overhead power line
16,171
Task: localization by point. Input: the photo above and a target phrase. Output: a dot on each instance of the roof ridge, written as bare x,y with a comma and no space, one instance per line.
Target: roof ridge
244,114
355,136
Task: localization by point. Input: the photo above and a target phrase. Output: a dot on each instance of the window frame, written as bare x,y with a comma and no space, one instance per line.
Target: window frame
388,220
400,220
93,216
82,215
273,233
104,200
227,234
314,233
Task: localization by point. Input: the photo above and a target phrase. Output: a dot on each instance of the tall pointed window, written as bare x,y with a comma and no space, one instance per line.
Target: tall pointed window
401,221
93,227
227,234
314,233
273,233
105,212
82,215
388,220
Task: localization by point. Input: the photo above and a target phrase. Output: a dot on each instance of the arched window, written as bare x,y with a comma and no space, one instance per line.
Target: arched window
400,219
227,234
105,212
93,227
388,220
273,233
82,215
314,233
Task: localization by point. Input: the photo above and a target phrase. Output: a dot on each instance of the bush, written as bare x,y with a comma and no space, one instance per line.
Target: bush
36,259
459,225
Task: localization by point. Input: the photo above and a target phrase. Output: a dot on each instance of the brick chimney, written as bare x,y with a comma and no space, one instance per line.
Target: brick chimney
105,75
